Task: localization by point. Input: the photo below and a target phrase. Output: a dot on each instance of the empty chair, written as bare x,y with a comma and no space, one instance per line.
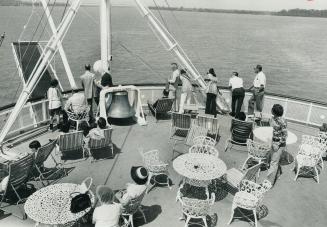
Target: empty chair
180,124
99,148
316,141
71,145
307,159
41,156
195,208
19,173
78,114
209,122
240,132
250,197
235,176
195,131
204,149
204,140
155,167
161,107
257,152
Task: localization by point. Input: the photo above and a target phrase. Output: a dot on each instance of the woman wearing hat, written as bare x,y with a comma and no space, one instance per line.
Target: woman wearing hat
140,176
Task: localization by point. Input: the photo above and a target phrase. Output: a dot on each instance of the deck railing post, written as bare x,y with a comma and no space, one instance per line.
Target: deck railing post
309,113
44,111
285,107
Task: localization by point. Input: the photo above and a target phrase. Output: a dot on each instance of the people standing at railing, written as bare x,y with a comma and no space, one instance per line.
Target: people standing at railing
238,93
258,87
278,146
186,93
55,102
173,82
89,86
212,91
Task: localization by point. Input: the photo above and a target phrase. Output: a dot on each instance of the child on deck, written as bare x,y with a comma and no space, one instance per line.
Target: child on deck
55,101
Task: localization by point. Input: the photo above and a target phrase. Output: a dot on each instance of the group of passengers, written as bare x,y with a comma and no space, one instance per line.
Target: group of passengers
235,84
89,96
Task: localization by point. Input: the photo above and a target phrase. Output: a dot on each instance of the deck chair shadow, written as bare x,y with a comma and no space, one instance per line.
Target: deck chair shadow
71,145
161,107
240,132
103,148
19,173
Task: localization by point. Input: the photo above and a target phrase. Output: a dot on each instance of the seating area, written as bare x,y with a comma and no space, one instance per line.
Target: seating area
275,207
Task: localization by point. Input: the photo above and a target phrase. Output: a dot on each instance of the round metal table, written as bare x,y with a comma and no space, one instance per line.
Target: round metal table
51,205
265,135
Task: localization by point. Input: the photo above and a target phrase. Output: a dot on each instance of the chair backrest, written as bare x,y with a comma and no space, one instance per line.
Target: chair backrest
164,105
104,142
43,152
133,205
257,150
251,172
204,140
255,189
150,157
197,207
209,122
70,141
182,121
194,132
204,149
20,170
241,130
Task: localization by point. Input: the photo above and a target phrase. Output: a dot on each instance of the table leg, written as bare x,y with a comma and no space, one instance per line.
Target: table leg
207,191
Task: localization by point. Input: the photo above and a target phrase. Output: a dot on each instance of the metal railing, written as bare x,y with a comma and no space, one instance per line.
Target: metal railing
301,111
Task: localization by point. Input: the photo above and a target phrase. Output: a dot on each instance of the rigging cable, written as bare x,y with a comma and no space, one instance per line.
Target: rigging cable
163,20
64,12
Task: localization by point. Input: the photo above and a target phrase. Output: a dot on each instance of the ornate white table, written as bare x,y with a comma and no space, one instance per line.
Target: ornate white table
51,205
200,168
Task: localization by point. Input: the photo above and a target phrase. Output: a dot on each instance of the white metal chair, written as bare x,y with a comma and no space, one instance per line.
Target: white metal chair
204,140
79,113
131,207
249,197
257,152
316,142
209,122
204,149
155,167
195,208
307,157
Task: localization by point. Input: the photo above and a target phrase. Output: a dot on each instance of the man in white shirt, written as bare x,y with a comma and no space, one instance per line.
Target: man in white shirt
76,102
173,82
186,91
259,85
238,93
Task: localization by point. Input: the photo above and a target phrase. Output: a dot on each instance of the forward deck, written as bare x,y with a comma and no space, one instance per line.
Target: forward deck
289,203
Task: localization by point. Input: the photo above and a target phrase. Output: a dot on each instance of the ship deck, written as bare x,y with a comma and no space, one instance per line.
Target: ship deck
290,203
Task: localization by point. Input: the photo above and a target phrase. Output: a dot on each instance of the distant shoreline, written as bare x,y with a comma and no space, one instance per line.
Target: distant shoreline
291,12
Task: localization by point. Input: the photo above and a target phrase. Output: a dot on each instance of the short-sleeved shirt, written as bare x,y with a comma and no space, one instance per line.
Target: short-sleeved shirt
54,98
88,83
279,131
107,215
260,79
235,82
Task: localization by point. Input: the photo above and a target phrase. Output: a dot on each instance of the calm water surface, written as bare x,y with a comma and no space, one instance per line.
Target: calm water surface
292,50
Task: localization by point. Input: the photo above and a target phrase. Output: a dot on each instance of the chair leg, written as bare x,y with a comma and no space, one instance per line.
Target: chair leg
297,172
142,212
255,218
231,216
205,221
317,174
187,221
149,182
226,145
243,166
77,124
169,186
131,220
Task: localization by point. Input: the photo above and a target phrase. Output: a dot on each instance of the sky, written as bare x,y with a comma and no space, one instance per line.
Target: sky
266,5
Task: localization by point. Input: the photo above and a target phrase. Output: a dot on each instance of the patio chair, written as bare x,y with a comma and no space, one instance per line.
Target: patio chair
70,144
307,159
180,124
155,167
257,152
42,155
316,142
99,147
195,208
78,114
240,132
249,197
235,176
19,173
163,106
204,140
209,122
204,149
195,131
132,207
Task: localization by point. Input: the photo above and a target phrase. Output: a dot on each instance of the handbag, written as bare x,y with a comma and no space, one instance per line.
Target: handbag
80,202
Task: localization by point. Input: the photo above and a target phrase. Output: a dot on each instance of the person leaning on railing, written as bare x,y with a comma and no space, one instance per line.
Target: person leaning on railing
238,93
55,101
259,85
279,137
212,91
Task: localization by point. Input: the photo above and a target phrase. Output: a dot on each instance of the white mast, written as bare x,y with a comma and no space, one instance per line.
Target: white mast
60,48
105,33
43,62
171,44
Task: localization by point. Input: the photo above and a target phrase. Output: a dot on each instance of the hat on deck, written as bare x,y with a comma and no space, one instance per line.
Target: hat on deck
139,174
